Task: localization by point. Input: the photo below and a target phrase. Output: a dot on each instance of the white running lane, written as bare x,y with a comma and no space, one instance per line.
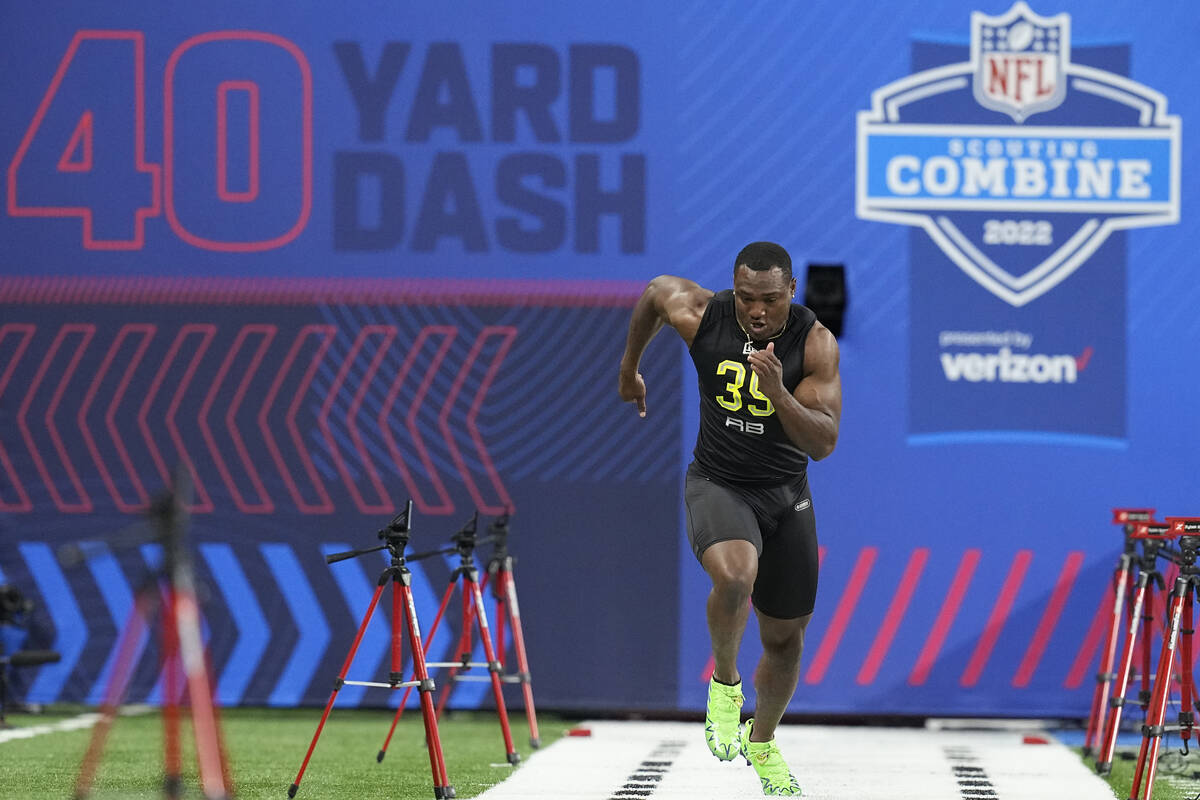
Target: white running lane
669,761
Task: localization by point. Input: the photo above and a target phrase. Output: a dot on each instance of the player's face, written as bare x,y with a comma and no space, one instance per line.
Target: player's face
762,299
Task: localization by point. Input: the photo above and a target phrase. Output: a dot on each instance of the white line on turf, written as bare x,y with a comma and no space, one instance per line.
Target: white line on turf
71,724
669,761
78,722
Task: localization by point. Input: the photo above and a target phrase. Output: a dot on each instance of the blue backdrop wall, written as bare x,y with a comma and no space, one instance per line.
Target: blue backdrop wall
357,253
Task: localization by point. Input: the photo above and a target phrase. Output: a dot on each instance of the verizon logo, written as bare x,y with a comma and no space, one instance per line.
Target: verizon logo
1005,366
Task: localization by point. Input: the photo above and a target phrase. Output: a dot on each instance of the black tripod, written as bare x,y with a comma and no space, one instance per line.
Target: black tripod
466,576
21,658
15,610
395,538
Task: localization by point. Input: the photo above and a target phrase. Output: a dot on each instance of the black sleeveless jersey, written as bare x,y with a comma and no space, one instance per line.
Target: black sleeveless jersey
741,439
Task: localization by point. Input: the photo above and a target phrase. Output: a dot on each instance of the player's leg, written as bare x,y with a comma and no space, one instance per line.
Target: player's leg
778,671
716,515
784,596
775,680
732,566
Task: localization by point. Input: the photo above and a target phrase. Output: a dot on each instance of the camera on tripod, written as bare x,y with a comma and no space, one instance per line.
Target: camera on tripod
464,539
400,527
15,609
14,606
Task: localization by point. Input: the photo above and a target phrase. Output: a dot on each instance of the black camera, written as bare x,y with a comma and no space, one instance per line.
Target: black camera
400,526
14,606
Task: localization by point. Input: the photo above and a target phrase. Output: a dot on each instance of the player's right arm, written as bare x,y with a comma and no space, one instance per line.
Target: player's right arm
667,300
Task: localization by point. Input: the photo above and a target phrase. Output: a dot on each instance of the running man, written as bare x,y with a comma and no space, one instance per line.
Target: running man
770,399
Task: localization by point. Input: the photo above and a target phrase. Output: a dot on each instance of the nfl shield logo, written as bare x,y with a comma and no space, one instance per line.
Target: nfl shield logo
1018,207
1020,60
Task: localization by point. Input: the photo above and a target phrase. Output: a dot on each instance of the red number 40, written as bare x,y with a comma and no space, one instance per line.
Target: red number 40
84,153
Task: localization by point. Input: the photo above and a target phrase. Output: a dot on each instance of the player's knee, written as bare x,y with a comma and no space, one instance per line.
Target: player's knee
785,641
733,587
785,648
733,567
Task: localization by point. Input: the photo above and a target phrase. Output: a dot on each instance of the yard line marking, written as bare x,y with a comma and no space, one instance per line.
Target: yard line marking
644,780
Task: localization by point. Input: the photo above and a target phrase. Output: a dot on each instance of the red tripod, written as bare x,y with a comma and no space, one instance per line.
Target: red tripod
395,538
504,591
508,614
183,658
1123,578
1153,538
1181,615
466,576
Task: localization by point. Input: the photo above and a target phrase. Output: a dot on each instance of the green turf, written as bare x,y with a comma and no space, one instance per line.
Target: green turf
1176,777
265,749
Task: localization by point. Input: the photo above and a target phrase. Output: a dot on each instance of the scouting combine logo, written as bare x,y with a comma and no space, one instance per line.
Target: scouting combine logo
1018,163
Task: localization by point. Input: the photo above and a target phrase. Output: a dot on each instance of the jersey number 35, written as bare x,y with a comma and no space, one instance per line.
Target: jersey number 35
732,400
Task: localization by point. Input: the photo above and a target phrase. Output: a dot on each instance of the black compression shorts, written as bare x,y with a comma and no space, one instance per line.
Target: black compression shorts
777,520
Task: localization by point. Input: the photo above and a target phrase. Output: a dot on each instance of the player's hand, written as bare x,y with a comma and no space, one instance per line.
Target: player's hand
633,390
769,369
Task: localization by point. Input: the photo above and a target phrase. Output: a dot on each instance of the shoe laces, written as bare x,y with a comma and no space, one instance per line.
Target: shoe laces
732,694
765,754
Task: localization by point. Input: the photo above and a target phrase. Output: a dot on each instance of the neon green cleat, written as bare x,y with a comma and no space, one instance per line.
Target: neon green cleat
777,780
721,723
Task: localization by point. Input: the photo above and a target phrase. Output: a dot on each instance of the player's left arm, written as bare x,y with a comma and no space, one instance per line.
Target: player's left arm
812,413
